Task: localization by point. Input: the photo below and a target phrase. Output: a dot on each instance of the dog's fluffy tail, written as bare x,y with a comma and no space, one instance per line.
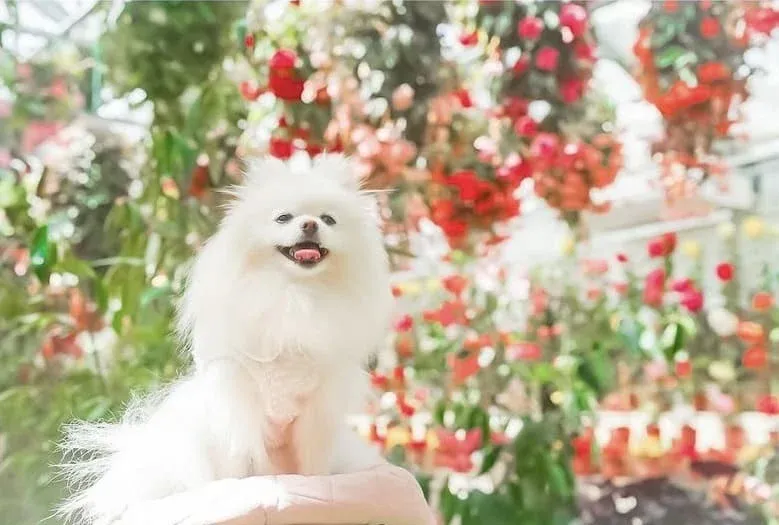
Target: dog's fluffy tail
108,466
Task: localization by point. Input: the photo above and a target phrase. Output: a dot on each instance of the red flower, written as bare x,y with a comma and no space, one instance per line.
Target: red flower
768,405
530,28
286,86
280,148
750,332
404,324
683,368
455,284
404,407
404,347
249,90
621,257
282,60
709,27
755,358
762,301
574,17
523,352
725,271
662,246
584,51
547,58
515,107
525,127
463,367
521,65
464,97
455,229
571,90
248,41
455,453
396,291
671,6
469,39
58,344
711,72
682,285
692,301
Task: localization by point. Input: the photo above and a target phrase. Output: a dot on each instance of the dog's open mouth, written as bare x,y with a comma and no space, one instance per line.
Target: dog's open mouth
306,254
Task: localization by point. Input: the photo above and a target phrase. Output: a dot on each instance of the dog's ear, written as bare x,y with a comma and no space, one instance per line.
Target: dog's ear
263,168
337,167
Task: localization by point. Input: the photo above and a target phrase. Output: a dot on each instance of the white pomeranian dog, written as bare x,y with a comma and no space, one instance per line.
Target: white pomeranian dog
284,305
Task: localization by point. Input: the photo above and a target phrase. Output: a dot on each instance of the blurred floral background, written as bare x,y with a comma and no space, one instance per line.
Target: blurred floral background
583,227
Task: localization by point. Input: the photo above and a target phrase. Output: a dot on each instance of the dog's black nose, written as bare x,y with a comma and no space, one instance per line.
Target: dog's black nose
309,227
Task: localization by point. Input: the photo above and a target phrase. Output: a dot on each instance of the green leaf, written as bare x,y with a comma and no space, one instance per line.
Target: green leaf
685,60
151,294
672,340
101,295
669,56
490,458
43,253
662,34
558,481
77,267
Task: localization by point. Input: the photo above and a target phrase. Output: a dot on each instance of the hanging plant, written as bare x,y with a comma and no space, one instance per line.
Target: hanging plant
691,67
545,103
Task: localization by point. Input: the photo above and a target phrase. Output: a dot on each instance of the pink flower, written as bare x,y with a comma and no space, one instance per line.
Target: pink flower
404,324
545,146
574,17
530,28
621,287
547,58
24,71
38,132
571,90
58,89
692,301
523,352
655,370
595,266
402,97
654,287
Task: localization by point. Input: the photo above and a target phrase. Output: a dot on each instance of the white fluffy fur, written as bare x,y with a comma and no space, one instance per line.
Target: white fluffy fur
272,342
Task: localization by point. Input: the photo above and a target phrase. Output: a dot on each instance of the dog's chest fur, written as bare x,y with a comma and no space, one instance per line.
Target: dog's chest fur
285,384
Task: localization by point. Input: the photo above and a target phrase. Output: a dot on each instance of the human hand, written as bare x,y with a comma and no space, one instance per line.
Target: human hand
386,495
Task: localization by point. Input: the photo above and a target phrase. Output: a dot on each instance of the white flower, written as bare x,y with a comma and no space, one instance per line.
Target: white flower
723,322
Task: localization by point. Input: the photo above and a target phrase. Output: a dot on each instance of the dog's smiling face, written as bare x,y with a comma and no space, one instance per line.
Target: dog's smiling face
307,222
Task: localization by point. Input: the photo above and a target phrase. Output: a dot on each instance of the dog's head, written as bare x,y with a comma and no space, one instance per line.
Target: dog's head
306,223
299,261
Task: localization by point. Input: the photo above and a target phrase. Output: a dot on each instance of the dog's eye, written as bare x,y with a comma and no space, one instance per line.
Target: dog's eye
327,219
284,218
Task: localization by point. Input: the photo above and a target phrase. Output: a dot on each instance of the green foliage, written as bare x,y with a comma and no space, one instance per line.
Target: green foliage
168,47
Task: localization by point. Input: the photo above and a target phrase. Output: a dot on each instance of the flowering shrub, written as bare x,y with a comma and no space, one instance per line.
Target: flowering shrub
585,337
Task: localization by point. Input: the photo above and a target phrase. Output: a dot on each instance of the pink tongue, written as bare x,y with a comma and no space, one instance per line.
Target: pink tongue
307,254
